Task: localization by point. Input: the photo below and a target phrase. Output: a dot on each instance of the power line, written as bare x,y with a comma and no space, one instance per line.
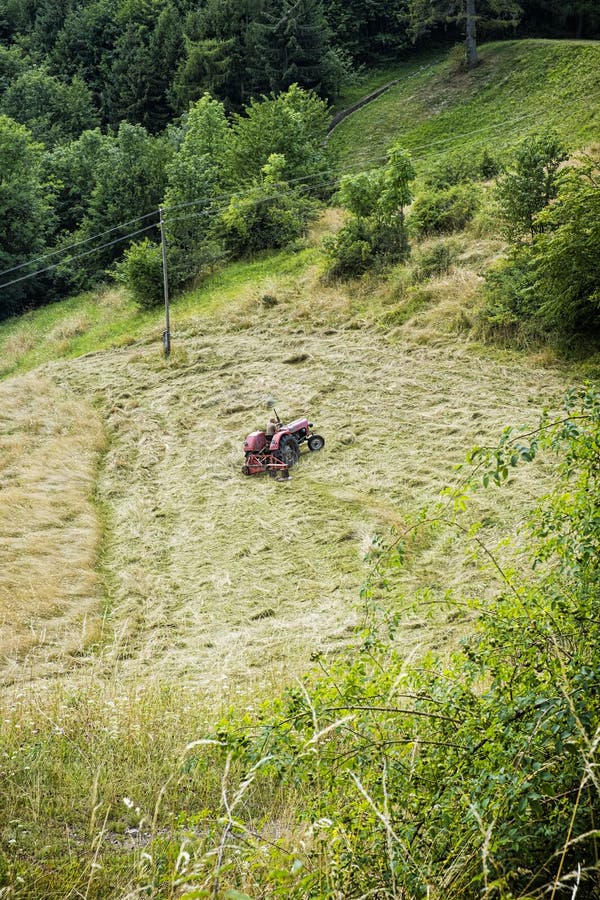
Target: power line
78,243
304,179
71,259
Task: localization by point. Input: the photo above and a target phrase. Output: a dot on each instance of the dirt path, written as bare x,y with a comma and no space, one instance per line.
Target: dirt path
224,580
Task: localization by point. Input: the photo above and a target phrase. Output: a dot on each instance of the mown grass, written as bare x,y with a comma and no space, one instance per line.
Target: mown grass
214,590
519,87
108,318
368,80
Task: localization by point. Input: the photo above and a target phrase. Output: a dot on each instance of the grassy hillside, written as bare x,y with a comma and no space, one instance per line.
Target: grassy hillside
146,585
437,111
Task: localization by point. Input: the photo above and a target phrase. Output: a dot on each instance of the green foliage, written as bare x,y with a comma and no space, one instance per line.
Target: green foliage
376,232
531,183
25,214
129,181
436,212
71,168
566,251
222,55
368,30
270,214
140,271
457,168
426,15
552,283
293,124
434,260
294,42
448,777
195,179
351,252
53,111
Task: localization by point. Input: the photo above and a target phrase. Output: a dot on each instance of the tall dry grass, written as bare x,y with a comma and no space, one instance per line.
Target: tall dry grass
50,598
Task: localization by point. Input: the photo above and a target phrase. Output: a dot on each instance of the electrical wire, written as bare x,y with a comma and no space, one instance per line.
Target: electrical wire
78,243
360,166
70,259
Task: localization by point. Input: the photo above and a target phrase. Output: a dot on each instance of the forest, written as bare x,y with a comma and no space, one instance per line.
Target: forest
101,108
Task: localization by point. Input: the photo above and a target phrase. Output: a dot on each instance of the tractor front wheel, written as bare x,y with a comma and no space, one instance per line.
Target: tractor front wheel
316,442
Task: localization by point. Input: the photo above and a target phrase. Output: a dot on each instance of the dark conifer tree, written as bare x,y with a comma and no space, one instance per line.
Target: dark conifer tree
295,43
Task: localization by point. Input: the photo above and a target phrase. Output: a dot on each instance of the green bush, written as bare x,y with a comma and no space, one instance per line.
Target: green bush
436,212
455,169
141,272
552,283
433,261
376,231
270,214
350,252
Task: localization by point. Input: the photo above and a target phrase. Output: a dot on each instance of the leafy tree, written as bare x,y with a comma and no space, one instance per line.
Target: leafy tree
204,68
566,252
295,42
142,65
376,231
293,124
84,47
141,272
25,215
270,213
552,282
52,110
12,64
531,183
368,30
195,180
223,55
16,17
71,169
129,183
50,16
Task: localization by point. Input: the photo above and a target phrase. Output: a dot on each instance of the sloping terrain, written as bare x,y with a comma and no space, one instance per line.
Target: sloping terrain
50,594
221,580
519,87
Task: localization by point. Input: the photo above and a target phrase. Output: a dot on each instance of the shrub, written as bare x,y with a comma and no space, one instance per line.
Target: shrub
433,261
553,281
377,230
269,214
531,183
350,251
141,272
436,212
459,168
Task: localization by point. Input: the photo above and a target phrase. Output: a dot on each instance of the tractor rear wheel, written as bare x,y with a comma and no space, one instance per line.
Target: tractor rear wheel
316,442
288,450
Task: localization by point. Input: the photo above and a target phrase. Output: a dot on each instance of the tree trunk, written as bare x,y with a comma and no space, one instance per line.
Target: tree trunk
471,39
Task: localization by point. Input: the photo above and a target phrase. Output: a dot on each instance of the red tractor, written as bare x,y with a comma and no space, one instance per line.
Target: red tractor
277,453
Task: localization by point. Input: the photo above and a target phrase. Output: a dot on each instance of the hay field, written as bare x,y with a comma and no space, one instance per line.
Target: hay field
50,593
232,584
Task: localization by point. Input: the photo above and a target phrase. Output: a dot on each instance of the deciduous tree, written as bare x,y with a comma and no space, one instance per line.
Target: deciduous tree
25,215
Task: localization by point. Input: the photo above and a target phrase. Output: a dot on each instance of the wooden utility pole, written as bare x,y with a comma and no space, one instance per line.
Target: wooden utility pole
163,243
